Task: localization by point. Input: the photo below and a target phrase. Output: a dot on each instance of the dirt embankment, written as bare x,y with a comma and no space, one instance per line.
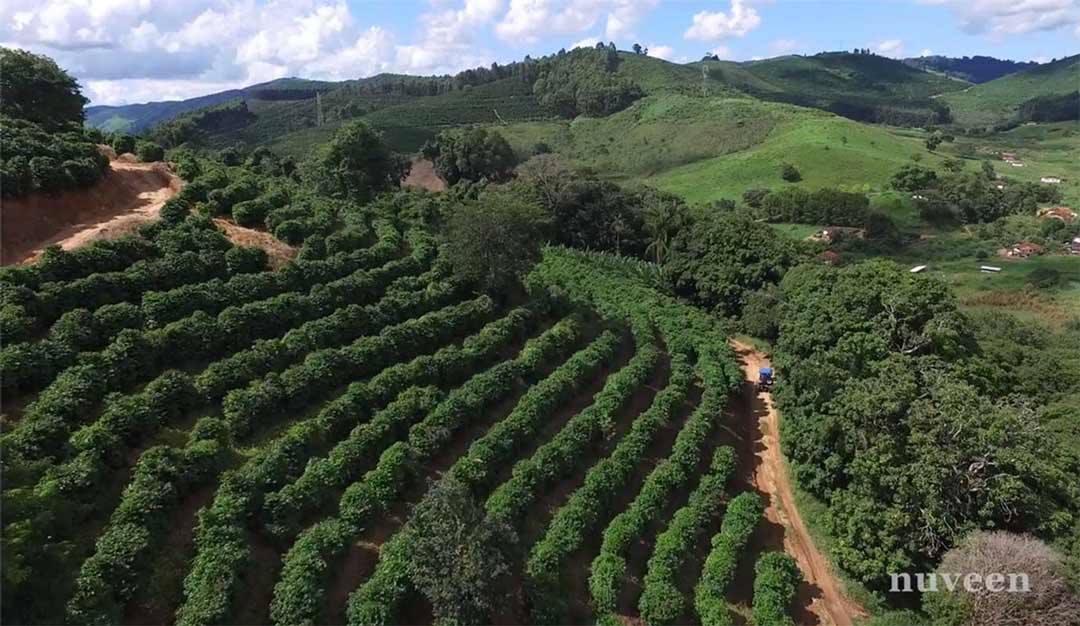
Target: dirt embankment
277,251
128,196
821,600
422,174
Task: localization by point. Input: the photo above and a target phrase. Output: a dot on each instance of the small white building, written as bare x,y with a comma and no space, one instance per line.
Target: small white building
989,269
1050,180
918,269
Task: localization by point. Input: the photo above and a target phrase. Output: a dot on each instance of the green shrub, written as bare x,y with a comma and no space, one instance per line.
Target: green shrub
148,151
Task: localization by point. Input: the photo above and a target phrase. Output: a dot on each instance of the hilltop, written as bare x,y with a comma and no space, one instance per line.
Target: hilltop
134,118
1000,100
411,109
865,87
975,69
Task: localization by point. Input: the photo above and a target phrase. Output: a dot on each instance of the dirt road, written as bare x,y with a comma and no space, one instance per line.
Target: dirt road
822,599
130,195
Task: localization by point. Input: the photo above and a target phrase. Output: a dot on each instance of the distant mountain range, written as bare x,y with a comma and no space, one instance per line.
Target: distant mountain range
285,115
134,118
976,69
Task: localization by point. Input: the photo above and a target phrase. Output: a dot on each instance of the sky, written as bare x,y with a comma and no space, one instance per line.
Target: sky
127,51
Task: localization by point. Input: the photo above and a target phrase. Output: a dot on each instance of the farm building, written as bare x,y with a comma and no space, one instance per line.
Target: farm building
829,257
1050,180
1023,250
1074,246
836,233
1063,213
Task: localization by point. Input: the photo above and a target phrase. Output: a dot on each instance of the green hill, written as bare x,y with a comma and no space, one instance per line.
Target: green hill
975,69
134,118
707,149
865,87
999,100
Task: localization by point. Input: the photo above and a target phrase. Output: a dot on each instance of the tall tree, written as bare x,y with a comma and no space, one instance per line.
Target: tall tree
35,88
355,165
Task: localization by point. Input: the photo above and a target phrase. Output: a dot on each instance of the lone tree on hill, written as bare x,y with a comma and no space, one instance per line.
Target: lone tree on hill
494,239
355,165
472,154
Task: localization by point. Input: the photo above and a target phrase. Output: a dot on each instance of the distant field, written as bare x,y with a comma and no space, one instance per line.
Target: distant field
828,151
1044,149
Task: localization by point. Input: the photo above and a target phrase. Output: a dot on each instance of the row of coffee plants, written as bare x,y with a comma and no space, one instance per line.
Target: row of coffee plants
324,370
35,364
776,577
221,540
566,450
164,475
662,602
407,297
608,569
591,503
298,596
161,307
498,446
325,476
134,355
742,516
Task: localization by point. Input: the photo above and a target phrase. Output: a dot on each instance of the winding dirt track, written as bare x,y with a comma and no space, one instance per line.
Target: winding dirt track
823,595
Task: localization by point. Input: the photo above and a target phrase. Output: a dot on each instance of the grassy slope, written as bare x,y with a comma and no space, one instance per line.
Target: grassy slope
993,102
828,151
823,80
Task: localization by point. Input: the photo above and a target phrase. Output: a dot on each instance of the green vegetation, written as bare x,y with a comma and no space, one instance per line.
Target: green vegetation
998,101
864,87
45,146
510,399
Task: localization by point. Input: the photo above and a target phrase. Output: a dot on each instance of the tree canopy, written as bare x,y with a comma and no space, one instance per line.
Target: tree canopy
356,164
35,88
474,154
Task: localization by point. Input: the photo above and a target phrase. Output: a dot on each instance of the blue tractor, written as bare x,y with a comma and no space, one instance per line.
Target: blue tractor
765,379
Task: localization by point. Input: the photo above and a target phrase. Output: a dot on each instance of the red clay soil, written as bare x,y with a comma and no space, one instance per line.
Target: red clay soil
821,598
277,251
422,174
128,196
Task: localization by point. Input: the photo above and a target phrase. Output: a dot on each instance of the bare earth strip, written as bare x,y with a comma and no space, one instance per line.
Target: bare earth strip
127,197
828,605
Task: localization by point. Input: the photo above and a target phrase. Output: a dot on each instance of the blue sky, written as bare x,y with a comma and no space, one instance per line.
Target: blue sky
127,51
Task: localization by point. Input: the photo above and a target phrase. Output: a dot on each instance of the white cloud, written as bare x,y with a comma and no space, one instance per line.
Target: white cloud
588,42
529,21
999,19
722,52
666,53
926,52
890,48
134,50
781,47
716,26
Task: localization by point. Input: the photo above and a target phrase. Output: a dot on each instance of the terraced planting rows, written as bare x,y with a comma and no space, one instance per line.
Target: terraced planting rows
228,447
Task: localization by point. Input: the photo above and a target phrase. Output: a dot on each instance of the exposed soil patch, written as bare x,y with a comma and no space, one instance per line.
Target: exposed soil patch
257,588
422,174
278,252
820,599
127,197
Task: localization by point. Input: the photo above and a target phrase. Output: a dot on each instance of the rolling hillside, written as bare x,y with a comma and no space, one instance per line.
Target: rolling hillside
975,69
865,87
998,100
706,150
134,118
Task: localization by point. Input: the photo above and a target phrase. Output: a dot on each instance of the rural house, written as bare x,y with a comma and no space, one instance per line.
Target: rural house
1024,249
1063,213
